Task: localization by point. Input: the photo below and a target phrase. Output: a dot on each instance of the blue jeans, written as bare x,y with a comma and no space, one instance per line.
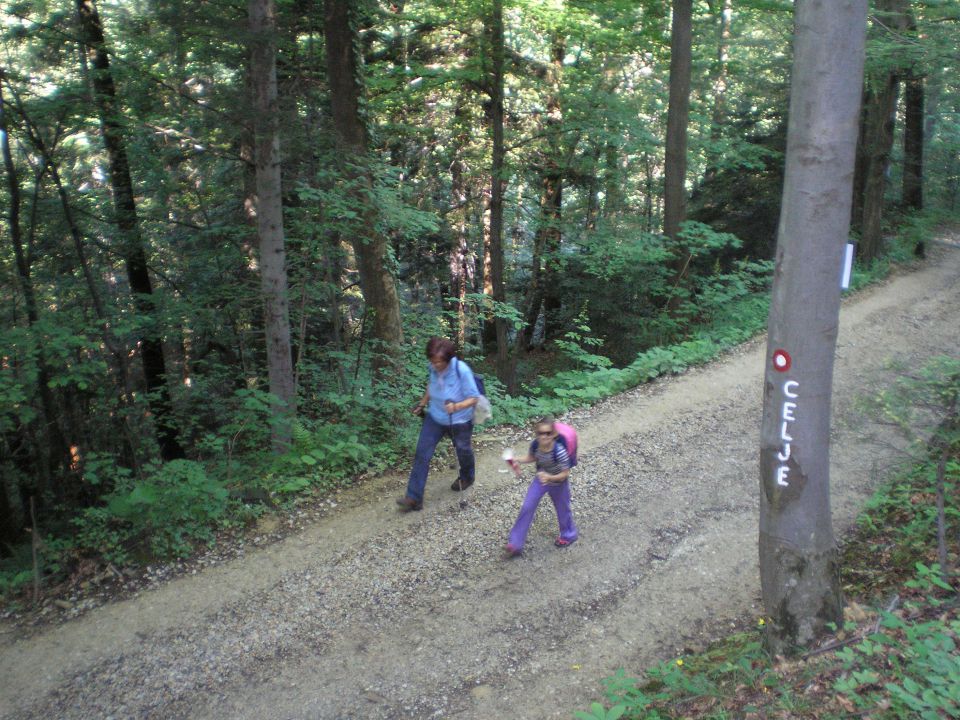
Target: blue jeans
431,433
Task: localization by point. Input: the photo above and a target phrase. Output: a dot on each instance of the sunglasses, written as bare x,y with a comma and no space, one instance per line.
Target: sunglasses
546,433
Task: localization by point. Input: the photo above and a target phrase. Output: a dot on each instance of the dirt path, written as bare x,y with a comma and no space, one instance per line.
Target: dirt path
371,614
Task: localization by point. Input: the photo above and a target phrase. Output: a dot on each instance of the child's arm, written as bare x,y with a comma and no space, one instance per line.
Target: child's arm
558,478
528,458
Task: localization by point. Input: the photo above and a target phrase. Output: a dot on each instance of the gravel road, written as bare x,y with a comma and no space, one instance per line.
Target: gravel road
368,613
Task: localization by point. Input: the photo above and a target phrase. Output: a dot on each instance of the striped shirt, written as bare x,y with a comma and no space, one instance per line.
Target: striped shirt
546,461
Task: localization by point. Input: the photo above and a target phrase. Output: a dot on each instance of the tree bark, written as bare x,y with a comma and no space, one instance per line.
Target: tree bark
613,196
461,261
505,365
678,113
269,208
878,131
878,143
724,22
551,214
488,335
125,208
799,571
722,10
675,165
543,291
344,73
913,141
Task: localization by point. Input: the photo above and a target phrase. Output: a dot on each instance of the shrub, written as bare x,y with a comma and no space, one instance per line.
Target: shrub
164,514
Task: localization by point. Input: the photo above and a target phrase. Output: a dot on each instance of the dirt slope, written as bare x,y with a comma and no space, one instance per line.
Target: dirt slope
372,614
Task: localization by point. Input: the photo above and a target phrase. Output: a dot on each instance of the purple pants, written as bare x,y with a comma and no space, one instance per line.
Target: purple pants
560,494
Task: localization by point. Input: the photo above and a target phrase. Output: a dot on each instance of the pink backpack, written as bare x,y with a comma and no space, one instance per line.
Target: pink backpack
566,435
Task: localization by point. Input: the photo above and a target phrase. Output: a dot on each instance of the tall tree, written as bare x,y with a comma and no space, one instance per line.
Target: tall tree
913,121
461,261
879,119
678,117
722,11
494,30
345,76
799,570
132,248
543,289
269,205
913,141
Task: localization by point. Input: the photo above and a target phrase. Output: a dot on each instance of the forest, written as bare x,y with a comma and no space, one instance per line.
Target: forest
228,229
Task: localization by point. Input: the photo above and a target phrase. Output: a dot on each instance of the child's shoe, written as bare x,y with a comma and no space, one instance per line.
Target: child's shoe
511,551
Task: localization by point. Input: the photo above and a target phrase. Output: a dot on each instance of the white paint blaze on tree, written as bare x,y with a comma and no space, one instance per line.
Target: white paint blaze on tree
799,569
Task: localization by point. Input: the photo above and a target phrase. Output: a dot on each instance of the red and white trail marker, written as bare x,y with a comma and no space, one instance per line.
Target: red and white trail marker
781,360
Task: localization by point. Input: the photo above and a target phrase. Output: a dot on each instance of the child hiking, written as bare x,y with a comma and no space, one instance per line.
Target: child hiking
553,464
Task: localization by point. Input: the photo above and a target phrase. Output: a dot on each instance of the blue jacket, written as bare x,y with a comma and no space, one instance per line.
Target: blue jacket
457,384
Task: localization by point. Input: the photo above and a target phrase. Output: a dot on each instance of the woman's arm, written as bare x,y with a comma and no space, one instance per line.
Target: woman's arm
450,406
422,405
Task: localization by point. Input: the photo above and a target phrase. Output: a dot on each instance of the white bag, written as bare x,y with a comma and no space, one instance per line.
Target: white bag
482,410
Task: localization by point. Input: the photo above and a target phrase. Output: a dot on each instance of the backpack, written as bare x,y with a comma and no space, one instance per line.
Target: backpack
482,410
567,436
479,380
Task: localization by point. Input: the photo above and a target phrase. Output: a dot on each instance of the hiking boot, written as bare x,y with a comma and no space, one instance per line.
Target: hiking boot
460,484
408,503
510,551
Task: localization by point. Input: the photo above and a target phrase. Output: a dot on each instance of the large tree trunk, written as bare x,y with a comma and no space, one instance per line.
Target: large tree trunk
551,214
876,143
592,190
724,19
545,240
678,113
269,208
543,291
488,334
913,142
722,10
675,166
462,261
860,166
613,196
505,365
799,571
132,248
344,73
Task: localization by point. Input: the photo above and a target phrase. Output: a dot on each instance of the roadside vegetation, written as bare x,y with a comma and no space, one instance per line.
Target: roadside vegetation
898,652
